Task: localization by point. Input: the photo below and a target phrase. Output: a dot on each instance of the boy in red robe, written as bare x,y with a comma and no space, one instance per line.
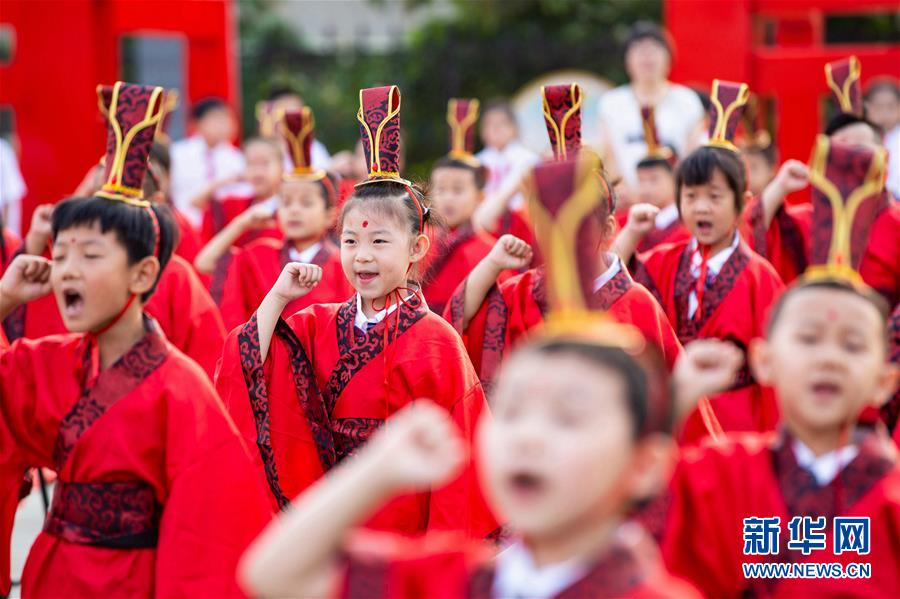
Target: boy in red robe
310,390
181,304
713,285
457,188
780,232
305,215
585,391
143,448
492,317
656,189
791,492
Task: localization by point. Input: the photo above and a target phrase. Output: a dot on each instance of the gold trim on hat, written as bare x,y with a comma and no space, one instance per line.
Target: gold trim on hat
723,115
839,253
560,130
842,93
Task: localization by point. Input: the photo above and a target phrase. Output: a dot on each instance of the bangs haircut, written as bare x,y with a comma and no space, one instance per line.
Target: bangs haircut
699,166
478,172
132,225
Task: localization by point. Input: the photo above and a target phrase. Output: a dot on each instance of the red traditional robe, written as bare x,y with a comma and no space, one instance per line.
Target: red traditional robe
516,222
757,476
221,212
254,269
189,244
381,566
184,309
9,245
675,232
880,266
187,314
325,387
786,244
516,306
452,258
156,495
734,308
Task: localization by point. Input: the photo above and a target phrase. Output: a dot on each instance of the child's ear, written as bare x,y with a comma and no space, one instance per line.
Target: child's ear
760,361
652,465
419,248
143,275
887,384
609,228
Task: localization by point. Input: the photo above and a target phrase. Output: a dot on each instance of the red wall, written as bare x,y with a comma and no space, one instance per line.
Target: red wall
724,39
64,48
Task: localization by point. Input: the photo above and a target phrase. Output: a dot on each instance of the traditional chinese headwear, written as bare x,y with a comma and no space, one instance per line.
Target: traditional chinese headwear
379,128
462,115
133,113
848,194
656,152
169,105
566,197
562,114
843,80
298,128
727,101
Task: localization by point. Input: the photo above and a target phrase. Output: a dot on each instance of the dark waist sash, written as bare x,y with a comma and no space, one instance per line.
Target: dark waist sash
120,515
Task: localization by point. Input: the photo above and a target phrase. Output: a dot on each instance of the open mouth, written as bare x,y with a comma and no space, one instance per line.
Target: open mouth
825,390
526,485
366,277
73,302
704,227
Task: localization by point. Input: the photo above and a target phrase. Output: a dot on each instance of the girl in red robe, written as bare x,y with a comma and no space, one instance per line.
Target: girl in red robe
826,356
713,285
305,216
143,448
457,188
309,391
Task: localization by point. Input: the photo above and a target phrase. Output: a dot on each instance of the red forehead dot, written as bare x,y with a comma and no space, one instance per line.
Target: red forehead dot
365,224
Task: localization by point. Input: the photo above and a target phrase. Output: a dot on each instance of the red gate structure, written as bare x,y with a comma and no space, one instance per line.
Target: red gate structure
778,47
59,50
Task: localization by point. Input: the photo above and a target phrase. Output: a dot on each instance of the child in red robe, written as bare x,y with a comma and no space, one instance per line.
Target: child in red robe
656,188
457,188
789,493
781,232
143,448
580,393
265,167
713,285
492,317
309,391
305,216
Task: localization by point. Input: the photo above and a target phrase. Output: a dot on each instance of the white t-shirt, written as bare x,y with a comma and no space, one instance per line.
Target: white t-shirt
195,165
505,168
12,188
677,116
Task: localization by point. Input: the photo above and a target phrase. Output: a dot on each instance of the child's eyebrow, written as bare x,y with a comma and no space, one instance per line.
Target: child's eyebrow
348,232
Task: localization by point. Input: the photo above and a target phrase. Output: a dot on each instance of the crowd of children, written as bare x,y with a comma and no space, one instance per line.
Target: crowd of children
271,373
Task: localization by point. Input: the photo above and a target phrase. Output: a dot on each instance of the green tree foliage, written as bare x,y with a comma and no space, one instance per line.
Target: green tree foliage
488,49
